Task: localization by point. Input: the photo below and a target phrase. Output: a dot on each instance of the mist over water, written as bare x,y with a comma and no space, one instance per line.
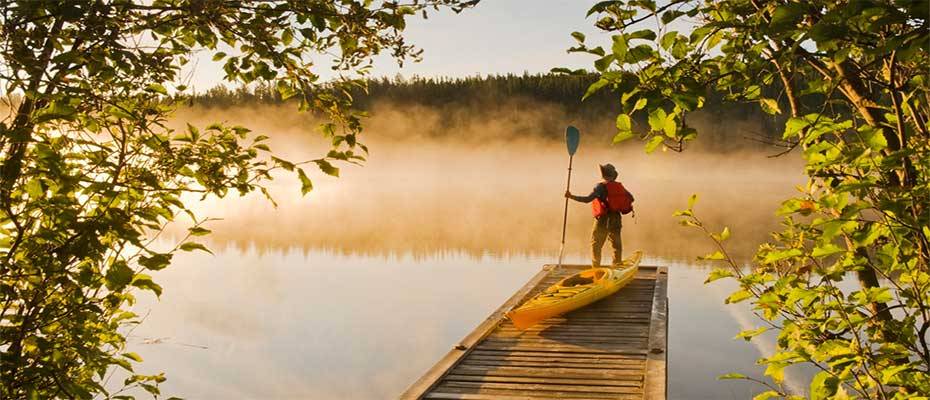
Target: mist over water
493,184
356,289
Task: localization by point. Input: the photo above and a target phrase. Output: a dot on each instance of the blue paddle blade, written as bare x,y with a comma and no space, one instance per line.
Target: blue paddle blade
572,137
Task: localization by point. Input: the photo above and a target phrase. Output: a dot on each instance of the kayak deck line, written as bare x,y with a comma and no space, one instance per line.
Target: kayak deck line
615,348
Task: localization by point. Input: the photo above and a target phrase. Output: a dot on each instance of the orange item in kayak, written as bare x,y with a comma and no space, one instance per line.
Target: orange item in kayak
618,199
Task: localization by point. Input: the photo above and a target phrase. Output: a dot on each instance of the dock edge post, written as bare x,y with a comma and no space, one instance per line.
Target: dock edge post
655,385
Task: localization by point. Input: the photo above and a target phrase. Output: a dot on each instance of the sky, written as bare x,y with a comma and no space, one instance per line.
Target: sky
496,37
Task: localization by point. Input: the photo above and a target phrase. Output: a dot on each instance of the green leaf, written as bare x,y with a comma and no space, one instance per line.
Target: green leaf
645,34
692,200
198,231
654,143
880,295
578,36
624,124
126,365
155,262
191,246
748,334
823,386
34,189
594,87
794,127
774,256
327,168
687,101
285,89
732,375
770,106
603,63
133,356
786,15
826,31
619,47
890,374
640,53
59,110
622,136
717,255
219,56
872,137
601,6
305,184
671,126
145,282
670,16
737,296
118,275
157,88
776,370
766,395
718,273
657,119
752,92
826,250
193,133
287,36
287,165
668,40
268,196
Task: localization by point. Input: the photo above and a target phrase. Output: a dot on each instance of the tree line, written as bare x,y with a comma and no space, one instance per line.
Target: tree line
565,91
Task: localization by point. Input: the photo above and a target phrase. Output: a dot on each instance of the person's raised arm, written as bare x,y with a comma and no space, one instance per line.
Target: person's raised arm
597,192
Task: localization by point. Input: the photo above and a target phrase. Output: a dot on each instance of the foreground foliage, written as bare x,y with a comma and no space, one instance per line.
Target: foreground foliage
90,173
846,284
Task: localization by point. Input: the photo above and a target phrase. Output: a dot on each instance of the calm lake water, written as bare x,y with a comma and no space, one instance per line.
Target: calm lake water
357,289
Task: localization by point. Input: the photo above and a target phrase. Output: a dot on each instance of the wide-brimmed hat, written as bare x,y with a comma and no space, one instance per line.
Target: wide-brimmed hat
608,171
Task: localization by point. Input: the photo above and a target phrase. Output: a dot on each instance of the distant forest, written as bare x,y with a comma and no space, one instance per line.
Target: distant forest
565,90
730,126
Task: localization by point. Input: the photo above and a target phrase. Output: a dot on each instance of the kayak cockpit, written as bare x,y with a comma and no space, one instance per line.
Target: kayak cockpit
583,278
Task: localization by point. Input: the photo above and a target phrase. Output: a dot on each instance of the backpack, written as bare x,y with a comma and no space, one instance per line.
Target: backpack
618,199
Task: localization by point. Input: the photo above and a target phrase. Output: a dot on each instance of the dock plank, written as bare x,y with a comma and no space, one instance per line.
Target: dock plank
613,349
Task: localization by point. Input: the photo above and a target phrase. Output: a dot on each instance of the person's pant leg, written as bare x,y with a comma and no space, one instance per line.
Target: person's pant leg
613,235
598,236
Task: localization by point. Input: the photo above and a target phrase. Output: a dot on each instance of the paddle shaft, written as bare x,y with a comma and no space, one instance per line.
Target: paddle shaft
565,213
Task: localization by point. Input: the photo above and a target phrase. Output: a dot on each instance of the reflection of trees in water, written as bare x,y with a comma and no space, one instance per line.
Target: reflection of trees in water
506,237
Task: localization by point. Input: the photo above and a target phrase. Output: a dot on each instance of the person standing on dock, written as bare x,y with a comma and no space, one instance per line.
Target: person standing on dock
610,200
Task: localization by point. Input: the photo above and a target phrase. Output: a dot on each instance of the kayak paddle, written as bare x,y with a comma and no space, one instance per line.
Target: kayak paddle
572,138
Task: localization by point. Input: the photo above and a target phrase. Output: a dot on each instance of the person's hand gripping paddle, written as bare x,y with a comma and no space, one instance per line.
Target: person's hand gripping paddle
572,138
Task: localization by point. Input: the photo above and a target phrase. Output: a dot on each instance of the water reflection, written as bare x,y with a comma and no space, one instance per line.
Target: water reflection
295,324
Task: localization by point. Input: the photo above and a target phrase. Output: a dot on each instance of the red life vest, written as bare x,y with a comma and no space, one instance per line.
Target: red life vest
618,199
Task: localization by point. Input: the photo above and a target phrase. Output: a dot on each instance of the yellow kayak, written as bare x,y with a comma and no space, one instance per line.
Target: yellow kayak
575,291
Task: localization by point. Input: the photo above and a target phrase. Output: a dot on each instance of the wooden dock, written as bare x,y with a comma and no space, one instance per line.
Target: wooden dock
613,349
